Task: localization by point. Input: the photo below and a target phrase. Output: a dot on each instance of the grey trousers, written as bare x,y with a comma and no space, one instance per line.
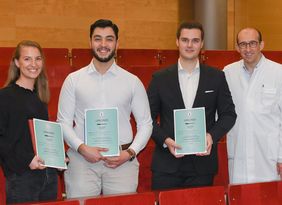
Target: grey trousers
83,178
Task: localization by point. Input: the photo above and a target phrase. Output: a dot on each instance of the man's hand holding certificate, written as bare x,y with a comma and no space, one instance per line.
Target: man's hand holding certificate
190,131
101,130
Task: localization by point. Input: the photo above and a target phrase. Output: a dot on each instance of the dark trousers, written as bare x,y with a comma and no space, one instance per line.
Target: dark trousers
161,180
32,185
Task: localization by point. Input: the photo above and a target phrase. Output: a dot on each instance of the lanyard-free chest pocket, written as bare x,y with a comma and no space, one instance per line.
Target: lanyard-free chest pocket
268,98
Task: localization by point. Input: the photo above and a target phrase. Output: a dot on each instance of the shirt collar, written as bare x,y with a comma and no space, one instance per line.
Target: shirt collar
196,69
257,67
112,70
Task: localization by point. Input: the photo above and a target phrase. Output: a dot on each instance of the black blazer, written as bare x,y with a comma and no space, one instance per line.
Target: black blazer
165,95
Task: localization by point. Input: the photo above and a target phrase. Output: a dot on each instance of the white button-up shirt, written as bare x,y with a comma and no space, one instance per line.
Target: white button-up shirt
88,89
188,83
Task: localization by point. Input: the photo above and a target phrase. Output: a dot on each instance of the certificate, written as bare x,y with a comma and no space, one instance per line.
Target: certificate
48,144
190,130
102,130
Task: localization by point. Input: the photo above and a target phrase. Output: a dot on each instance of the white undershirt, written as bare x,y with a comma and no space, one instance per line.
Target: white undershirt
188,83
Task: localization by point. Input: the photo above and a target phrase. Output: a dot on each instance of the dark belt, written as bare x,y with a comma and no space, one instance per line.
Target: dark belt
125,146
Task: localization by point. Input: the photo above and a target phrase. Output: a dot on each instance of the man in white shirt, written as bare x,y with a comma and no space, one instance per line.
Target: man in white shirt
103,84
255,142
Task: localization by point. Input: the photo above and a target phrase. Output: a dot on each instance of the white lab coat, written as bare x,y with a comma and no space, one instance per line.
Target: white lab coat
254,144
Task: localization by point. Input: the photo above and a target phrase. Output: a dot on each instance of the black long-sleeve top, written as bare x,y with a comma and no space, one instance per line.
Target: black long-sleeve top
17,106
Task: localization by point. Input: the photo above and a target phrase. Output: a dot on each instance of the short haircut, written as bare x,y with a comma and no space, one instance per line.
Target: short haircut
258,31
103,23
190,25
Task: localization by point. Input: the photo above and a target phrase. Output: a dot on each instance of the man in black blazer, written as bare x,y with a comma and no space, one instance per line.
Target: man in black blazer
188,84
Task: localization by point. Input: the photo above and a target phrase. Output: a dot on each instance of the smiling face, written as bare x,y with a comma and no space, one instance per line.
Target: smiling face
30,63
189,44
103,44
249,46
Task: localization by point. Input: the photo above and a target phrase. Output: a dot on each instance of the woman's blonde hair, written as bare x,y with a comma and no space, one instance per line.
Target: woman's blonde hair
41,83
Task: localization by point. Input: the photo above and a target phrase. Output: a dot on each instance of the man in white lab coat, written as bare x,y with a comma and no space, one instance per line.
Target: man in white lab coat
255,142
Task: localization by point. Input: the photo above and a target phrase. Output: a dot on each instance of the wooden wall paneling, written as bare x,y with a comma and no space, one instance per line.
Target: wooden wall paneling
265,16
231,24
143,24
7,23
186,11
65,24
62,23
150,24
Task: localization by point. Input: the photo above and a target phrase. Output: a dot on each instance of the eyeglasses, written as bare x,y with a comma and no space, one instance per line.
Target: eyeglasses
251,44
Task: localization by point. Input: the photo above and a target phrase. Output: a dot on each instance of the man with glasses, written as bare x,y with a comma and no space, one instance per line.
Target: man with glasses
188,84
255,142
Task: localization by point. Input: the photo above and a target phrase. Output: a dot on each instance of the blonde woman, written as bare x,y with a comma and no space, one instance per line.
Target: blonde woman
24,96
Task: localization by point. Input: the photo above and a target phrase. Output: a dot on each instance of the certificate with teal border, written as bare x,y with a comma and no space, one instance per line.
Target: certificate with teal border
102,130
190,130
48,143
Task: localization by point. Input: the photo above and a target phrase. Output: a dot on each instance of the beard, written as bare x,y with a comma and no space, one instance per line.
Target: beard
104,59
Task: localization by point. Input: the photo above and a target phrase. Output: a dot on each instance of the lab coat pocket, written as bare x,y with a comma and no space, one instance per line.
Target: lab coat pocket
272,147
268,97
